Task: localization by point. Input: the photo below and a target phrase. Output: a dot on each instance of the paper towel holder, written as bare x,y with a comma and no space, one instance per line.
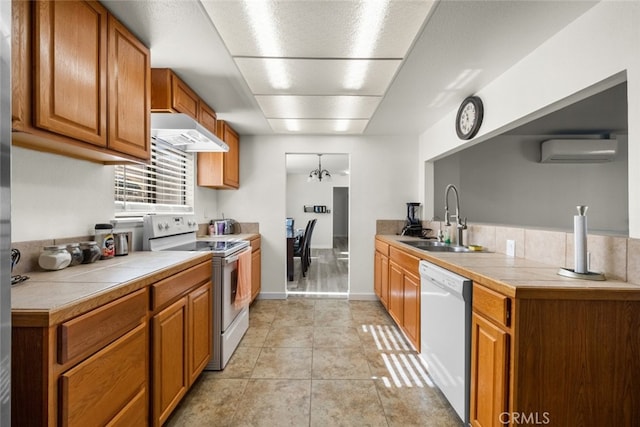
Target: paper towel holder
589,275
580,249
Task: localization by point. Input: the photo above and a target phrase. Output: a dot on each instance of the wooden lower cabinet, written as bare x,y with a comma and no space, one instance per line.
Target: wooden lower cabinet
397,284
256,273
181,348
396,293
100,388
489,372
123,363
555,358
411,308
200,337
404,296
381,278
89,370
170,378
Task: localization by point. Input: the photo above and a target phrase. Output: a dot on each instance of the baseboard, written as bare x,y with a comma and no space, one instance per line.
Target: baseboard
363,297
272,295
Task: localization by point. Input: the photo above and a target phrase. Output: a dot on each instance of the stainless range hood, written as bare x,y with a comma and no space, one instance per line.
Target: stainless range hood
184,133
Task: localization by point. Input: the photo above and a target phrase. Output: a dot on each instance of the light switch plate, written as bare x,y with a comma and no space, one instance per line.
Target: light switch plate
511,248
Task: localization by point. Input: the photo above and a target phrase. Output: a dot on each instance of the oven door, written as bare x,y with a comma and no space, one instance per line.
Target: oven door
229,290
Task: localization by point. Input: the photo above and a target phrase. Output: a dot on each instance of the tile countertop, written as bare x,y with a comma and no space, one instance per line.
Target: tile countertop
51,297
519,277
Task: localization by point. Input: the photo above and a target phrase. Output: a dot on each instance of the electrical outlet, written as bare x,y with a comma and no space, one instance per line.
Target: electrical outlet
511,248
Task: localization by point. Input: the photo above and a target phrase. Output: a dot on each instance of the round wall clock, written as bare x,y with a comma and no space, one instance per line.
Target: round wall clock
469,117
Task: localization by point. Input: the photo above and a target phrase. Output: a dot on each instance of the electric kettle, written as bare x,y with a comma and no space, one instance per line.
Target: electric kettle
122,243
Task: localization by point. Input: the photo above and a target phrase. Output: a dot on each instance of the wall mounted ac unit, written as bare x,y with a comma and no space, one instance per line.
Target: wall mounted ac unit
578,150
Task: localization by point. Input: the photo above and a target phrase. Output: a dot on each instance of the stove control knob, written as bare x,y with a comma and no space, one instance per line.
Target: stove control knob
166,225
160,226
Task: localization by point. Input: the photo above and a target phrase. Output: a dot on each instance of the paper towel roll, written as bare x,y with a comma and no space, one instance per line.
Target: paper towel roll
580,240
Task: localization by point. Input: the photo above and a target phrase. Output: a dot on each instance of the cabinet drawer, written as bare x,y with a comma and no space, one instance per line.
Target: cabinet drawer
382,247
404,260
492,304
255,244
90,332
168,289
102,386
134,414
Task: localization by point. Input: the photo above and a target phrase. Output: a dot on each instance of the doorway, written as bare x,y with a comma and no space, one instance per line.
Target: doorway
324,202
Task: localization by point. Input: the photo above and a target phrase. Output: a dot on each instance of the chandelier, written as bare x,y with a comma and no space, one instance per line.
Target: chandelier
319,174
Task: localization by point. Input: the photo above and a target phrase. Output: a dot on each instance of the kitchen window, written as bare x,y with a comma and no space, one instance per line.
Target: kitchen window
164,185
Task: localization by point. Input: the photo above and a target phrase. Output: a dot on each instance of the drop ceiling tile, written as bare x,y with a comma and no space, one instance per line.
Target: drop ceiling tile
318,76
305,29
318,107
346,127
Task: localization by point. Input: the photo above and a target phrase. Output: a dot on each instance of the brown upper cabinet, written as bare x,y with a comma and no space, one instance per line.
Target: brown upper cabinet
221,170
169,94
80,90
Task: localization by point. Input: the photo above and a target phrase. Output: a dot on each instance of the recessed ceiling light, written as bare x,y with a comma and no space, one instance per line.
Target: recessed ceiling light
367,31
266,36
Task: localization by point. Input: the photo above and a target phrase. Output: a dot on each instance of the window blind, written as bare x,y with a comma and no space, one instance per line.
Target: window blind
164,185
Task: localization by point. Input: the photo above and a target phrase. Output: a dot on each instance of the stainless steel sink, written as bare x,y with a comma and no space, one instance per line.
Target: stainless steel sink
435,246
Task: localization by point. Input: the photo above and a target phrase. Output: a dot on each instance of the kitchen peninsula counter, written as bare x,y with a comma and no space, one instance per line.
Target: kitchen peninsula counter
51,297
518,277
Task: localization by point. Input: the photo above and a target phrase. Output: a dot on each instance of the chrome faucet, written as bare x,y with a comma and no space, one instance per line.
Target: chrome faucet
460,225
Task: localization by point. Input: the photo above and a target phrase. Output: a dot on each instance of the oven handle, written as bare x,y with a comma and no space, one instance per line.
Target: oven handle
231,259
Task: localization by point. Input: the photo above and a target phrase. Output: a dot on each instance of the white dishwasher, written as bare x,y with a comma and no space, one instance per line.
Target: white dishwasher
445,337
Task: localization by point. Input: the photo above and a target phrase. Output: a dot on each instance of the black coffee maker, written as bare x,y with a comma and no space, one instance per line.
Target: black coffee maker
413,226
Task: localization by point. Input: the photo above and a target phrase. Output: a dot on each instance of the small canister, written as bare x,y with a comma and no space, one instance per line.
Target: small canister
104,238
90,252
76,254
55,257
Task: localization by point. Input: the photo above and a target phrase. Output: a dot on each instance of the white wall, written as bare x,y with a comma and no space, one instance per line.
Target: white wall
382,180
600,46
55,196
302,193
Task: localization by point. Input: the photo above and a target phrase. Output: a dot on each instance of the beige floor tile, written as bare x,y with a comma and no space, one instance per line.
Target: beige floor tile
383,337
332,304
336,337
290,336
295,316
241,363
255,337
399,369
332,317
376,318
272,403
210,401
272,384
262,318
345,403
340,363
415,406
292,363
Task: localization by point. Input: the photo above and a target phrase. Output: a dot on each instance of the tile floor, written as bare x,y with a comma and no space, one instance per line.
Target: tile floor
318,362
